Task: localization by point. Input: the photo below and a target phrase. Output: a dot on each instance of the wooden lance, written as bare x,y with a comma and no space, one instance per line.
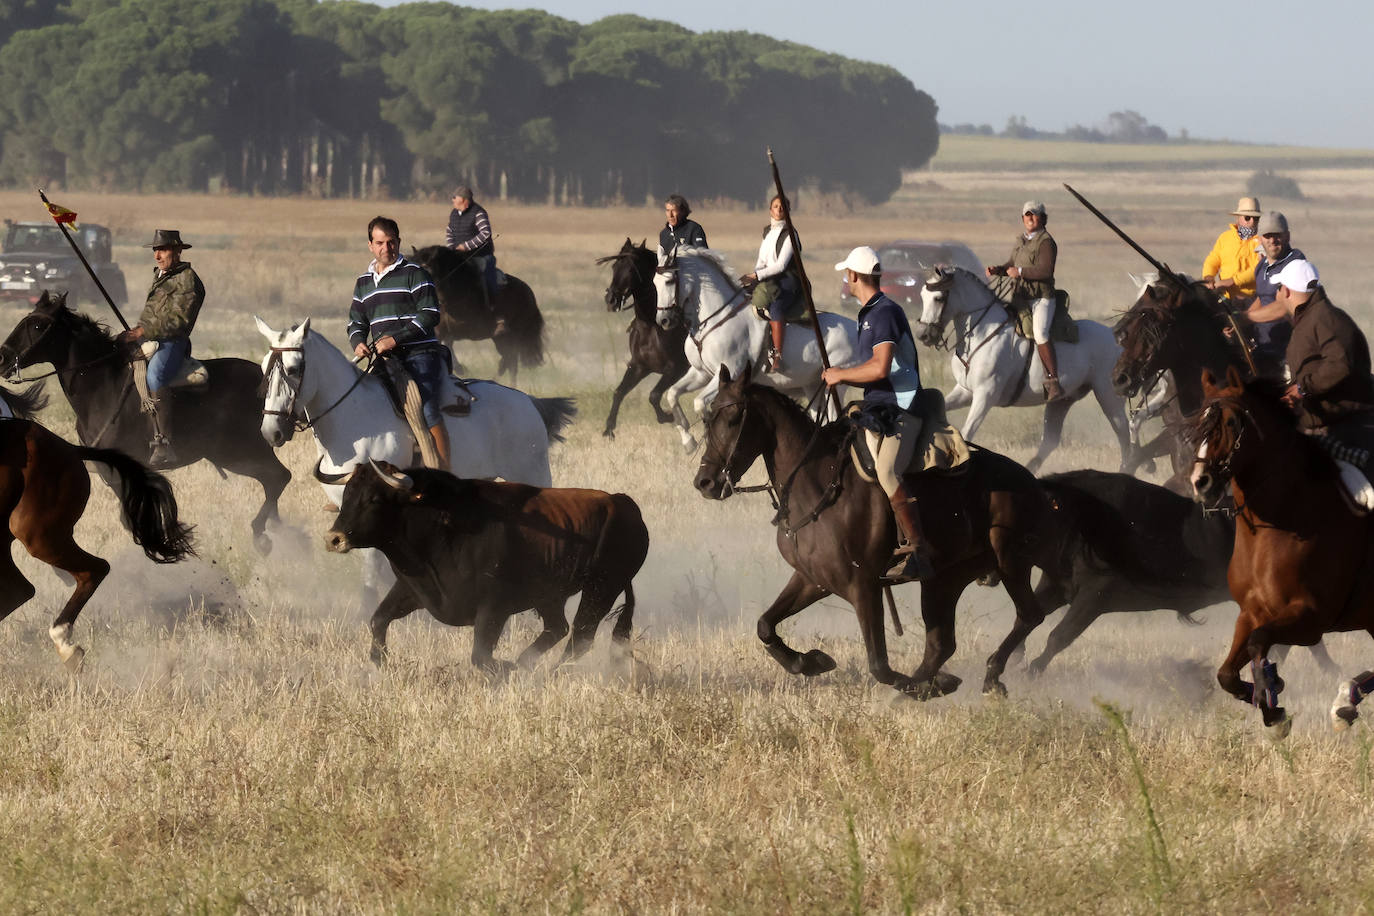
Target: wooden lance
84,263
816,326
801,272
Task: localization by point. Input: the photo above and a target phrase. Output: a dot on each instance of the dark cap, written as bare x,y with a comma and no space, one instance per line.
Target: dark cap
167,238
463,191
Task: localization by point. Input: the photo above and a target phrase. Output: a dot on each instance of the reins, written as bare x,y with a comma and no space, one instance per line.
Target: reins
274,363
960,338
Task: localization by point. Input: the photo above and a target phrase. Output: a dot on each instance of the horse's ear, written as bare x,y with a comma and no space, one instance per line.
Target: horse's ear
1209,382
724,374
1233,379
305,328
264,328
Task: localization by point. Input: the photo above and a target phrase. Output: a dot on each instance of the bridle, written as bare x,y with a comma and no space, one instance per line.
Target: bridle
1222,467
52,322
275,365
627,299
733,304
954,341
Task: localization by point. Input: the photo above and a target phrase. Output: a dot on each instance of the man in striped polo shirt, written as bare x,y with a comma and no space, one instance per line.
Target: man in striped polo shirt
396,305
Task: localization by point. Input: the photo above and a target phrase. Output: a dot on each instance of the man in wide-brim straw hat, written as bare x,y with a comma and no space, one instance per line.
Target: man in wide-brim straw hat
168,317
1230,267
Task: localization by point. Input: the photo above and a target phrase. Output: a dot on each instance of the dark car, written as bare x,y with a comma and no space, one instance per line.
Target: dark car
905,263
35,257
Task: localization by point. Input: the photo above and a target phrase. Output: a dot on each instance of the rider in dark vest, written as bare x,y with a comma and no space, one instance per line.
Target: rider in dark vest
469,230
168,317
679,231
889,372
776,282
1027,277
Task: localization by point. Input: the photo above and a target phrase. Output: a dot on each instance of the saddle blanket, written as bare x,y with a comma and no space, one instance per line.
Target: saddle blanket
1063,329
191,374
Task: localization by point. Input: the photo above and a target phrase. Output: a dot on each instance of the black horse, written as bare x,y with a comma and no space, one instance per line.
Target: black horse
1127,545
987,518
652,349
514,323
219,422
1180,328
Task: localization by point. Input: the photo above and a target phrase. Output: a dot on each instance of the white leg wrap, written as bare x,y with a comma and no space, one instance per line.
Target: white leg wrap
1357,485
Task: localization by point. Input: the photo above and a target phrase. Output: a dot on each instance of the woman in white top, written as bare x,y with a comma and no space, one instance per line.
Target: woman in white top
776,291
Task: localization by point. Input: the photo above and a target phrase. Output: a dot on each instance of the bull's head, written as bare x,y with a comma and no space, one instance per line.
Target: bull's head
364,512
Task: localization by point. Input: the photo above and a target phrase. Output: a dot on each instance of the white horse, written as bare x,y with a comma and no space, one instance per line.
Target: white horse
695,288
310,384
994,366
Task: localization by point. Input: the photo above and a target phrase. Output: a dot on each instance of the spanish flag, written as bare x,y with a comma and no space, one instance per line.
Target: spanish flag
61,214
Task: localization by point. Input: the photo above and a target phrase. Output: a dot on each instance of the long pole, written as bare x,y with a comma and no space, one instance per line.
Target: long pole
801,272
86,264
1157,265
816,326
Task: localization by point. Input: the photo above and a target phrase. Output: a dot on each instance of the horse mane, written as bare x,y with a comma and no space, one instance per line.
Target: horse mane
84,328
715,258
834,430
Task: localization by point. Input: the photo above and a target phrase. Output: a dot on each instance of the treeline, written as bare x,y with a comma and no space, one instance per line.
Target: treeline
348,98
1120,127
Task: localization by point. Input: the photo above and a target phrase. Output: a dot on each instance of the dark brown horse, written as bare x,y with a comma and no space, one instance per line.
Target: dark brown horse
44,487
1302,564
514,323
1179,328
652,349
837,531
219,422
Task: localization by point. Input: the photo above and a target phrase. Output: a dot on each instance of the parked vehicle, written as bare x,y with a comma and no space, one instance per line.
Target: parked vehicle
35,256
905,263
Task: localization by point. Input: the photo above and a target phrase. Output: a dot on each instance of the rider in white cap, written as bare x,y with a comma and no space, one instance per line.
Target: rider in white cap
890,375
1026,279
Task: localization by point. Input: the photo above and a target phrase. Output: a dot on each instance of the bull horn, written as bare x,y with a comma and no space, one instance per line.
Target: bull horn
395,480
332,479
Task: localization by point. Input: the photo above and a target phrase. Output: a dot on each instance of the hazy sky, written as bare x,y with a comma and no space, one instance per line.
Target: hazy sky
1258,70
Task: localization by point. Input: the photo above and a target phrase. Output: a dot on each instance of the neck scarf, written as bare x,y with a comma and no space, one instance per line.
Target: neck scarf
1245,232
775,223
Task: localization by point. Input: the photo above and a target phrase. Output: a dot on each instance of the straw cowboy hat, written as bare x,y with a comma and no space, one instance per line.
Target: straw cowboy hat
1247,206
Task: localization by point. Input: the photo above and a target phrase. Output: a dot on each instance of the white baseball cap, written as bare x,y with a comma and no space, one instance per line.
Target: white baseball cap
1299,276
862,260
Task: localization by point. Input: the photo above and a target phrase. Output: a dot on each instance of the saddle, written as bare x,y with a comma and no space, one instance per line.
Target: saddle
192,373
1063,329
940,446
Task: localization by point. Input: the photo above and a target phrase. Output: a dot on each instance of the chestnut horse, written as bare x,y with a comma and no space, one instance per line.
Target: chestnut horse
44,487
988,517
1302,564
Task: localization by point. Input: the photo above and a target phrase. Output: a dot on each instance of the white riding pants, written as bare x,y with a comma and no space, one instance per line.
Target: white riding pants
1042,313
892,454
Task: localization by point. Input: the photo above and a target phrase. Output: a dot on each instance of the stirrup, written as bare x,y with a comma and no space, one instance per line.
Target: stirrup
910,567
774,360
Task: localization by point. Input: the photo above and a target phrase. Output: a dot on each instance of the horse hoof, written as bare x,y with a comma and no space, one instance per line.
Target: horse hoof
1343,712
1149,466
665,418
689,446
945,682
990,579
262,543
1280,727
608,433
75,660
995,689
815,662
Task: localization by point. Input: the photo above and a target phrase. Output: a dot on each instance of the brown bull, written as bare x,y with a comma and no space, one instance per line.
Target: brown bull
477,552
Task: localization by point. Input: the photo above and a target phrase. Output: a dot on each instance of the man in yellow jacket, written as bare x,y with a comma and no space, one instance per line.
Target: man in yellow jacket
1230,267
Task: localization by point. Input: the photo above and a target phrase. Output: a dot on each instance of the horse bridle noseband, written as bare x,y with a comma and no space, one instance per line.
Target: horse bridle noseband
301,424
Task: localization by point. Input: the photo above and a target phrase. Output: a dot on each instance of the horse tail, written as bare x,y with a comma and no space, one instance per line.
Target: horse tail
526,327
26,403
556,413
150,507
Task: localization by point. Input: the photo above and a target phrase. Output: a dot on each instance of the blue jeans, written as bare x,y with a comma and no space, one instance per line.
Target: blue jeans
164,365
428,367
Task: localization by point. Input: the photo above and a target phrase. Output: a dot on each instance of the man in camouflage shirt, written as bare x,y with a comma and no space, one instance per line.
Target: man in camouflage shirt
168,317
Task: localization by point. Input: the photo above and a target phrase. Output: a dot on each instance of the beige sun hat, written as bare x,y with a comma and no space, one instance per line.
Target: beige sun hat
1248,206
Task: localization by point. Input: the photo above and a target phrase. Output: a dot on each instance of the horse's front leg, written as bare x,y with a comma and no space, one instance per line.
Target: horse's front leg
980,402
939,596
1348,696
693,379
1228,675
656,393
796,595
1114,409
1264,675
868,605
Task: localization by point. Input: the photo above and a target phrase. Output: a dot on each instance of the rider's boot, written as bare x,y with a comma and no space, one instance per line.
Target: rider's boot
1053,391
913,551
439,433
777,329
162,455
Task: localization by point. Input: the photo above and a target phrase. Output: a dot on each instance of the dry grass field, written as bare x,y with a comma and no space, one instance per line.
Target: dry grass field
228,747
